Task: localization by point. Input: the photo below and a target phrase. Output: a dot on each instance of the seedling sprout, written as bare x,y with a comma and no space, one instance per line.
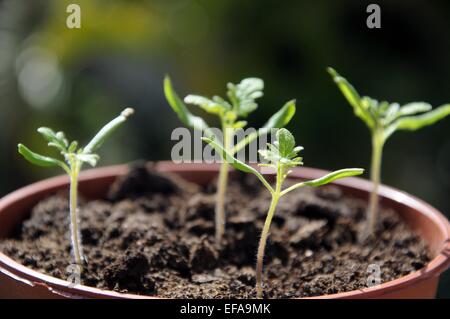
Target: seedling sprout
383,119
282,156
73,159
241,102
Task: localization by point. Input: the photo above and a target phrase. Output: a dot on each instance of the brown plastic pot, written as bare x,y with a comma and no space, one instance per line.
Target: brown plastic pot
17,281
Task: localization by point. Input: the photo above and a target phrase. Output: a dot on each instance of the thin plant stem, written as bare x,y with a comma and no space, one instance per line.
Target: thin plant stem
222,186
282,156
220,202
75,235
265,233
375,171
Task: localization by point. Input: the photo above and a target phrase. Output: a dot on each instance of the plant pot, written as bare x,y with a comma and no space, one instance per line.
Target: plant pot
17,281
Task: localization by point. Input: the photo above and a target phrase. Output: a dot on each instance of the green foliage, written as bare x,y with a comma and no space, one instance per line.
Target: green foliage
283,151
244,94
180,108
242,101
74,157
278,120
383,119
412,123
37,159
70,151
342,173
388,117
282,156
233,161
282,117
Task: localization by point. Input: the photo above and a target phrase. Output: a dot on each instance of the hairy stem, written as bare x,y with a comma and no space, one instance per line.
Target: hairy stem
75,235
222,186
375,171
265,234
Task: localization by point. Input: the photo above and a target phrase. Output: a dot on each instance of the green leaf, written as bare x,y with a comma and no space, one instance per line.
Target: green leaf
73,147
48,134
237,164
270,155
239,124
107,130
414,108
38,159
56,140
282,117
181,110
227,157
416,122
285,142
283,150
353,98
347,172
244,94
91,159
395,111
278,120
221,101
391,113
210,106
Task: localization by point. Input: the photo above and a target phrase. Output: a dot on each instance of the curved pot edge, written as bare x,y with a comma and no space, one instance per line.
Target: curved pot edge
58,286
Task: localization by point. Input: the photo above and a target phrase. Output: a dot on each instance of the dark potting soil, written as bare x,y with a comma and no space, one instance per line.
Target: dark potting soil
154,235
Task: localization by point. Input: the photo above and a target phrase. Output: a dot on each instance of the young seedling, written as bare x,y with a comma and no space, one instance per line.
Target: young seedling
281,156
73,160
383,119
241,102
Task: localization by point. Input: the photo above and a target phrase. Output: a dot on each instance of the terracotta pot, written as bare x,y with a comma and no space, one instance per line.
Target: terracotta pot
17,281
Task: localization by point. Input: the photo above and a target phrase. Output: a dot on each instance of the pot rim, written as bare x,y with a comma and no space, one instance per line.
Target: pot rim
61,287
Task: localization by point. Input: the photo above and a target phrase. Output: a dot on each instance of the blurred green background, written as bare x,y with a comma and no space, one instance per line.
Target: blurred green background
77,79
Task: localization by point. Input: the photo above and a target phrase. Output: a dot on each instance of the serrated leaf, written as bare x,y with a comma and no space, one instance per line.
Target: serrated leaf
283,150
352,97
278,120
91,159
246,108
270,155
221,101
295,151
56,140
38,159
244,94
285,142
206,104
181,110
